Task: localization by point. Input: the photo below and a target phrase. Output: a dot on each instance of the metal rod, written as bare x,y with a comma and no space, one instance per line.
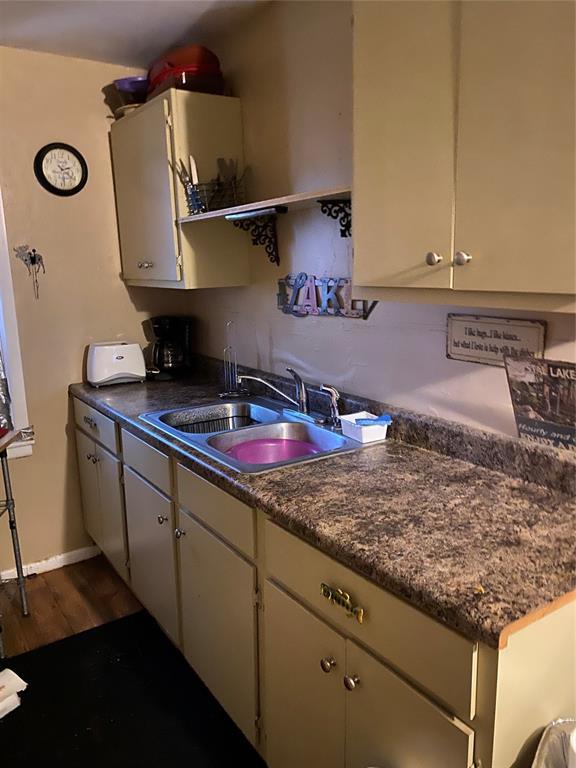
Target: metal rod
11,508
256,213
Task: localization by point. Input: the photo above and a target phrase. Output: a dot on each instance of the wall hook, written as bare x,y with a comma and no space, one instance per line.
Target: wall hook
34,262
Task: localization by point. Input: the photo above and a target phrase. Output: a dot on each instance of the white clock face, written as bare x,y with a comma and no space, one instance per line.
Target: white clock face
62,169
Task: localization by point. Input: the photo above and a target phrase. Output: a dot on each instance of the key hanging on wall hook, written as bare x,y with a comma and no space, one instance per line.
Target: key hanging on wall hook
34,262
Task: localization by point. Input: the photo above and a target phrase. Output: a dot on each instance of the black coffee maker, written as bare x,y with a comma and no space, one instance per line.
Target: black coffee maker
172,350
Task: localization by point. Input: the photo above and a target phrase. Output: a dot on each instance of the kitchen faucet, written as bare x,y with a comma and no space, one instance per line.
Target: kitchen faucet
301,394
334,419
301,401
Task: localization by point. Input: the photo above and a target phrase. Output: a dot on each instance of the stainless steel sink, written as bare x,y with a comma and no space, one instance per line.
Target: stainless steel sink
208,419
257,449
322,439
220,427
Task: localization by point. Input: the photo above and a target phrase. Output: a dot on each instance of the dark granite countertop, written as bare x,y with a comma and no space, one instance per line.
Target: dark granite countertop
472,547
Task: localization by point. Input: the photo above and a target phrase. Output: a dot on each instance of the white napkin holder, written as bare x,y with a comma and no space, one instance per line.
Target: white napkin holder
369,434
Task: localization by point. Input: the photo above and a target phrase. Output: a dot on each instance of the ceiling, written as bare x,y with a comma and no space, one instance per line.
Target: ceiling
131,32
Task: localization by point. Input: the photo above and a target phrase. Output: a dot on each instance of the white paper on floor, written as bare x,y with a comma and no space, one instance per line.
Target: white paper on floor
10,687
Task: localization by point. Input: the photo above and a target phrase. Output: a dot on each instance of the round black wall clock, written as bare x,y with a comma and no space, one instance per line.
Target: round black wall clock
61,169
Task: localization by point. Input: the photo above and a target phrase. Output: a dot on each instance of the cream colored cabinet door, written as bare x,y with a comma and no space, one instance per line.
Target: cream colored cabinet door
151,548
515,205
303,694
219,620
102,502
390,725
404,134
144,184
90,492
112,519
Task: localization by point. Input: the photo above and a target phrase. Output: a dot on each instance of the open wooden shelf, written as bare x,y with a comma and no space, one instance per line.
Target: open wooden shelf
292,202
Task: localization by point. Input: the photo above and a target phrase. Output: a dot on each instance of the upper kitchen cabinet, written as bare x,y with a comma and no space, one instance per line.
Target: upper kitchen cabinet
464,147
147,147
403,192
515,204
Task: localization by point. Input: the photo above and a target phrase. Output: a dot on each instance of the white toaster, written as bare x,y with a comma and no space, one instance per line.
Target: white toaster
112,362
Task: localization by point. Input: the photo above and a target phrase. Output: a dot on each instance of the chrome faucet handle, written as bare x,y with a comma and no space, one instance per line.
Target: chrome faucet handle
334,419
301,393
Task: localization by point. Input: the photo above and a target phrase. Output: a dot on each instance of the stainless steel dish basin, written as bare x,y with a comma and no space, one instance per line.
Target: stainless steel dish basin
322,439
276,445
208,419
217,428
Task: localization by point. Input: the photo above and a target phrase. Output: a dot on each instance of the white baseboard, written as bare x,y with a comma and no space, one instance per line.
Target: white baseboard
66,558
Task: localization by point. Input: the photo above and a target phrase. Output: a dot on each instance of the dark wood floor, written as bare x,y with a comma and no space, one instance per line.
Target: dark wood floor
63,603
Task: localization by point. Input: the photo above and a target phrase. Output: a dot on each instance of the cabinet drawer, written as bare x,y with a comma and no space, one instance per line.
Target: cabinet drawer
434,657
223,513
97,425
147,461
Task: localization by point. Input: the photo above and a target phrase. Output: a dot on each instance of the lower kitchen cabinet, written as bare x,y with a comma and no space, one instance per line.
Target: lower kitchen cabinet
149,518
304,661
317,665
102,504
218,608
329,703
390,725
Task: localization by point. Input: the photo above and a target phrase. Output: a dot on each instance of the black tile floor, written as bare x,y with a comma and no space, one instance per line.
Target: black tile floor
118,696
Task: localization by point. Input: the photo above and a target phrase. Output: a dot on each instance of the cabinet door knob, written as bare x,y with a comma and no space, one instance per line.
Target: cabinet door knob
89,456
327,664
433,258
179,532
461,258
162,519
351,682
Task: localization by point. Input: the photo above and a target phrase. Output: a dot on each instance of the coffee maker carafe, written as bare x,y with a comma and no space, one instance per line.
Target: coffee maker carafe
172,350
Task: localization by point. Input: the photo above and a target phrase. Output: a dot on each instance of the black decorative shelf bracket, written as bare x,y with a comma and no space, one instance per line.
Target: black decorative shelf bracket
263,232
341,210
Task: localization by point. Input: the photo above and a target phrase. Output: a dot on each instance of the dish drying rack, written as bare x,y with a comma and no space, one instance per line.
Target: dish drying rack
232,388
225,191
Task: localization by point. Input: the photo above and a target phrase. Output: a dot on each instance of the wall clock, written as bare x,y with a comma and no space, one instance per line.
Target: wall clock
61,169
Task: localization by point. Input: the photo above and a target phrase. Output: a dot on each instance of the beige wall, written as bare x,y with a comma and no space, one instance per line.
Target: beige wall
291,64
292,67
46,98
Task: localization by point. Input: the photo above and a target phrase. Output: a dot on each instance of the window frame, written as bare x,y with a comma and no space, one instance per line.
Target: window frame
10,344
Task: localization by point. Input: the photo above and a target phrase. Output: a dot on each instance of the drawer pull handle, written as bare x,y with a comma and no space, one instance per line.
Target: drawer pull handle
92,458
145,264
433,258
162,519
461,258
341,598
179,532
351,682
90,421
327,664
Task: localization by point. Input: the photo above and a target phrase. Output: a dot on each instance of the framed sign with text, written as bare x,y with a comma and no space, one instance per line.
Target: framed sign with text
488,340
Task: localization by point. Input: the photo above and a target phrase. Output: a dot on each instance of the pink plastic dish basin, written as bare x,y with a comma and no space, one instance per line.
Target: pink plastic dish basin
271,450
